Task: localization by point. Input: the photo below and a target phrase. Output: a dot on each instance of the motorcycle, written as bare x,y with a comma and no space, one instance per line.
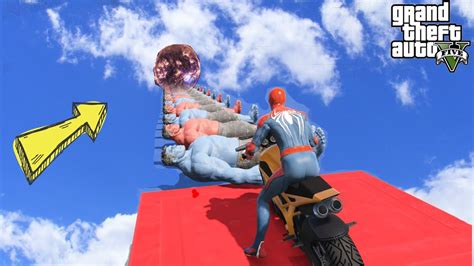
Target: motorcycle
309,209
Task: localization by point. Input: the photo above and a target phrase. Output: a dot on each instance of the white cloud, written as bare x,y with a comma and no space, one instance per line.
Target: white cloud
263,44
29,2
465,8
404,92
274,43
109,70
424,75
136,36
451,189
69,41
377,13
41,241
343,25
54,18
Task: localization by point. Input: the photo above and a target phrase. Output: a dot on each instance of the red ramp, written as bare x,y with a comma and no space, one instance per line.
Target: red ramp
211,226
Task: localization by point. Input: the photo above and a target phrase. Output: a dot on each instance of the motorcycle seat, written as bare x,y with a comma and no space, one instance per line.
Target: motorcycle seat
313,187
308,187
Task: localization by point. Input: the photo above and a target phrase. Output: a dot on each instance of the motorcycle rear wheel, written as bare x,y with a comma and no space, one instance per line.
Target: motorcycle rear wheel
342,251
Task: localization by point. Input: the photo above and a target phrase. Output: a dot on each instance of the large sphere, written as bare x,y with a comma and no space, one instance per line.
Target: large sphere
176,65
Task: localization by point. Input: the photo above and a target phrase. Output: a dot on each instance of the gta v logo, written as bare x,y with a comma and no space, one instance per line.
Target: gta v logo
427,33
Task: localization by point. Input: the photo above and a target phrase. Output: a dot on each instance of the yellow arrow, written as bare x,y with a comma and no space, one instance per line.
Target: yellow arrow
37,148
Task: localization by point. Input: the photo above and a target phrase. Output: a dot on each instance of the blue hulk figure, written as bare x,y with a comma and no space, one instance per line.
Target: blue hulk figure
298,146
213,158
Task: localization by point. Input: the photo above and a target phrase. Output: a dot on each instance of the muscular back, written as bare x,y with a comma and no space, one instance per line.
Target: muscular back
289,127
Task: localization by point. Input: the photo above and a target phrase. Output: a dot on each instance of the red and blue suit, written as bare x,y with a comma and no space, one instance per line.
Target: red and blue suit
293,135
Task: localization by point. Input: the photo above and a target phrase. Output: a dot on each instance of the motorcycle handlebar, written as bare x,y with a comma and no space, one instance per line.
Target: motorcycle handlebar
240,148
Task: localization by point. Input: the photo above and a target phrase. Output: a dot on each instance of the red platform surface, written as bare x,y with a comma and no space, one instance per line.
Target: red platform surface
181,227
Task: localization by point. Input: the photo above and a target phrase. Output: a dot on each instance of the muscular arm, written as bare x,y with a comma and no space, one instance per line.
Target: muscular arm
311,137
261,134
207,168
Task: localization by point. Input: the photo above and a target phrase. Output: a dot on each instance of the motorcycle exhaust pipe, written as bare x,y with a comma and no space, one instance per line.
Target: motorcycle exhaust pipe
320,210
335,205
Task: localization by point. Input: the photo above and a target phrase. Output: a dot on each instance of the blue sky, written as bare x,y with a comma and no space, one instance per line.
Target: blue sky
409,122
